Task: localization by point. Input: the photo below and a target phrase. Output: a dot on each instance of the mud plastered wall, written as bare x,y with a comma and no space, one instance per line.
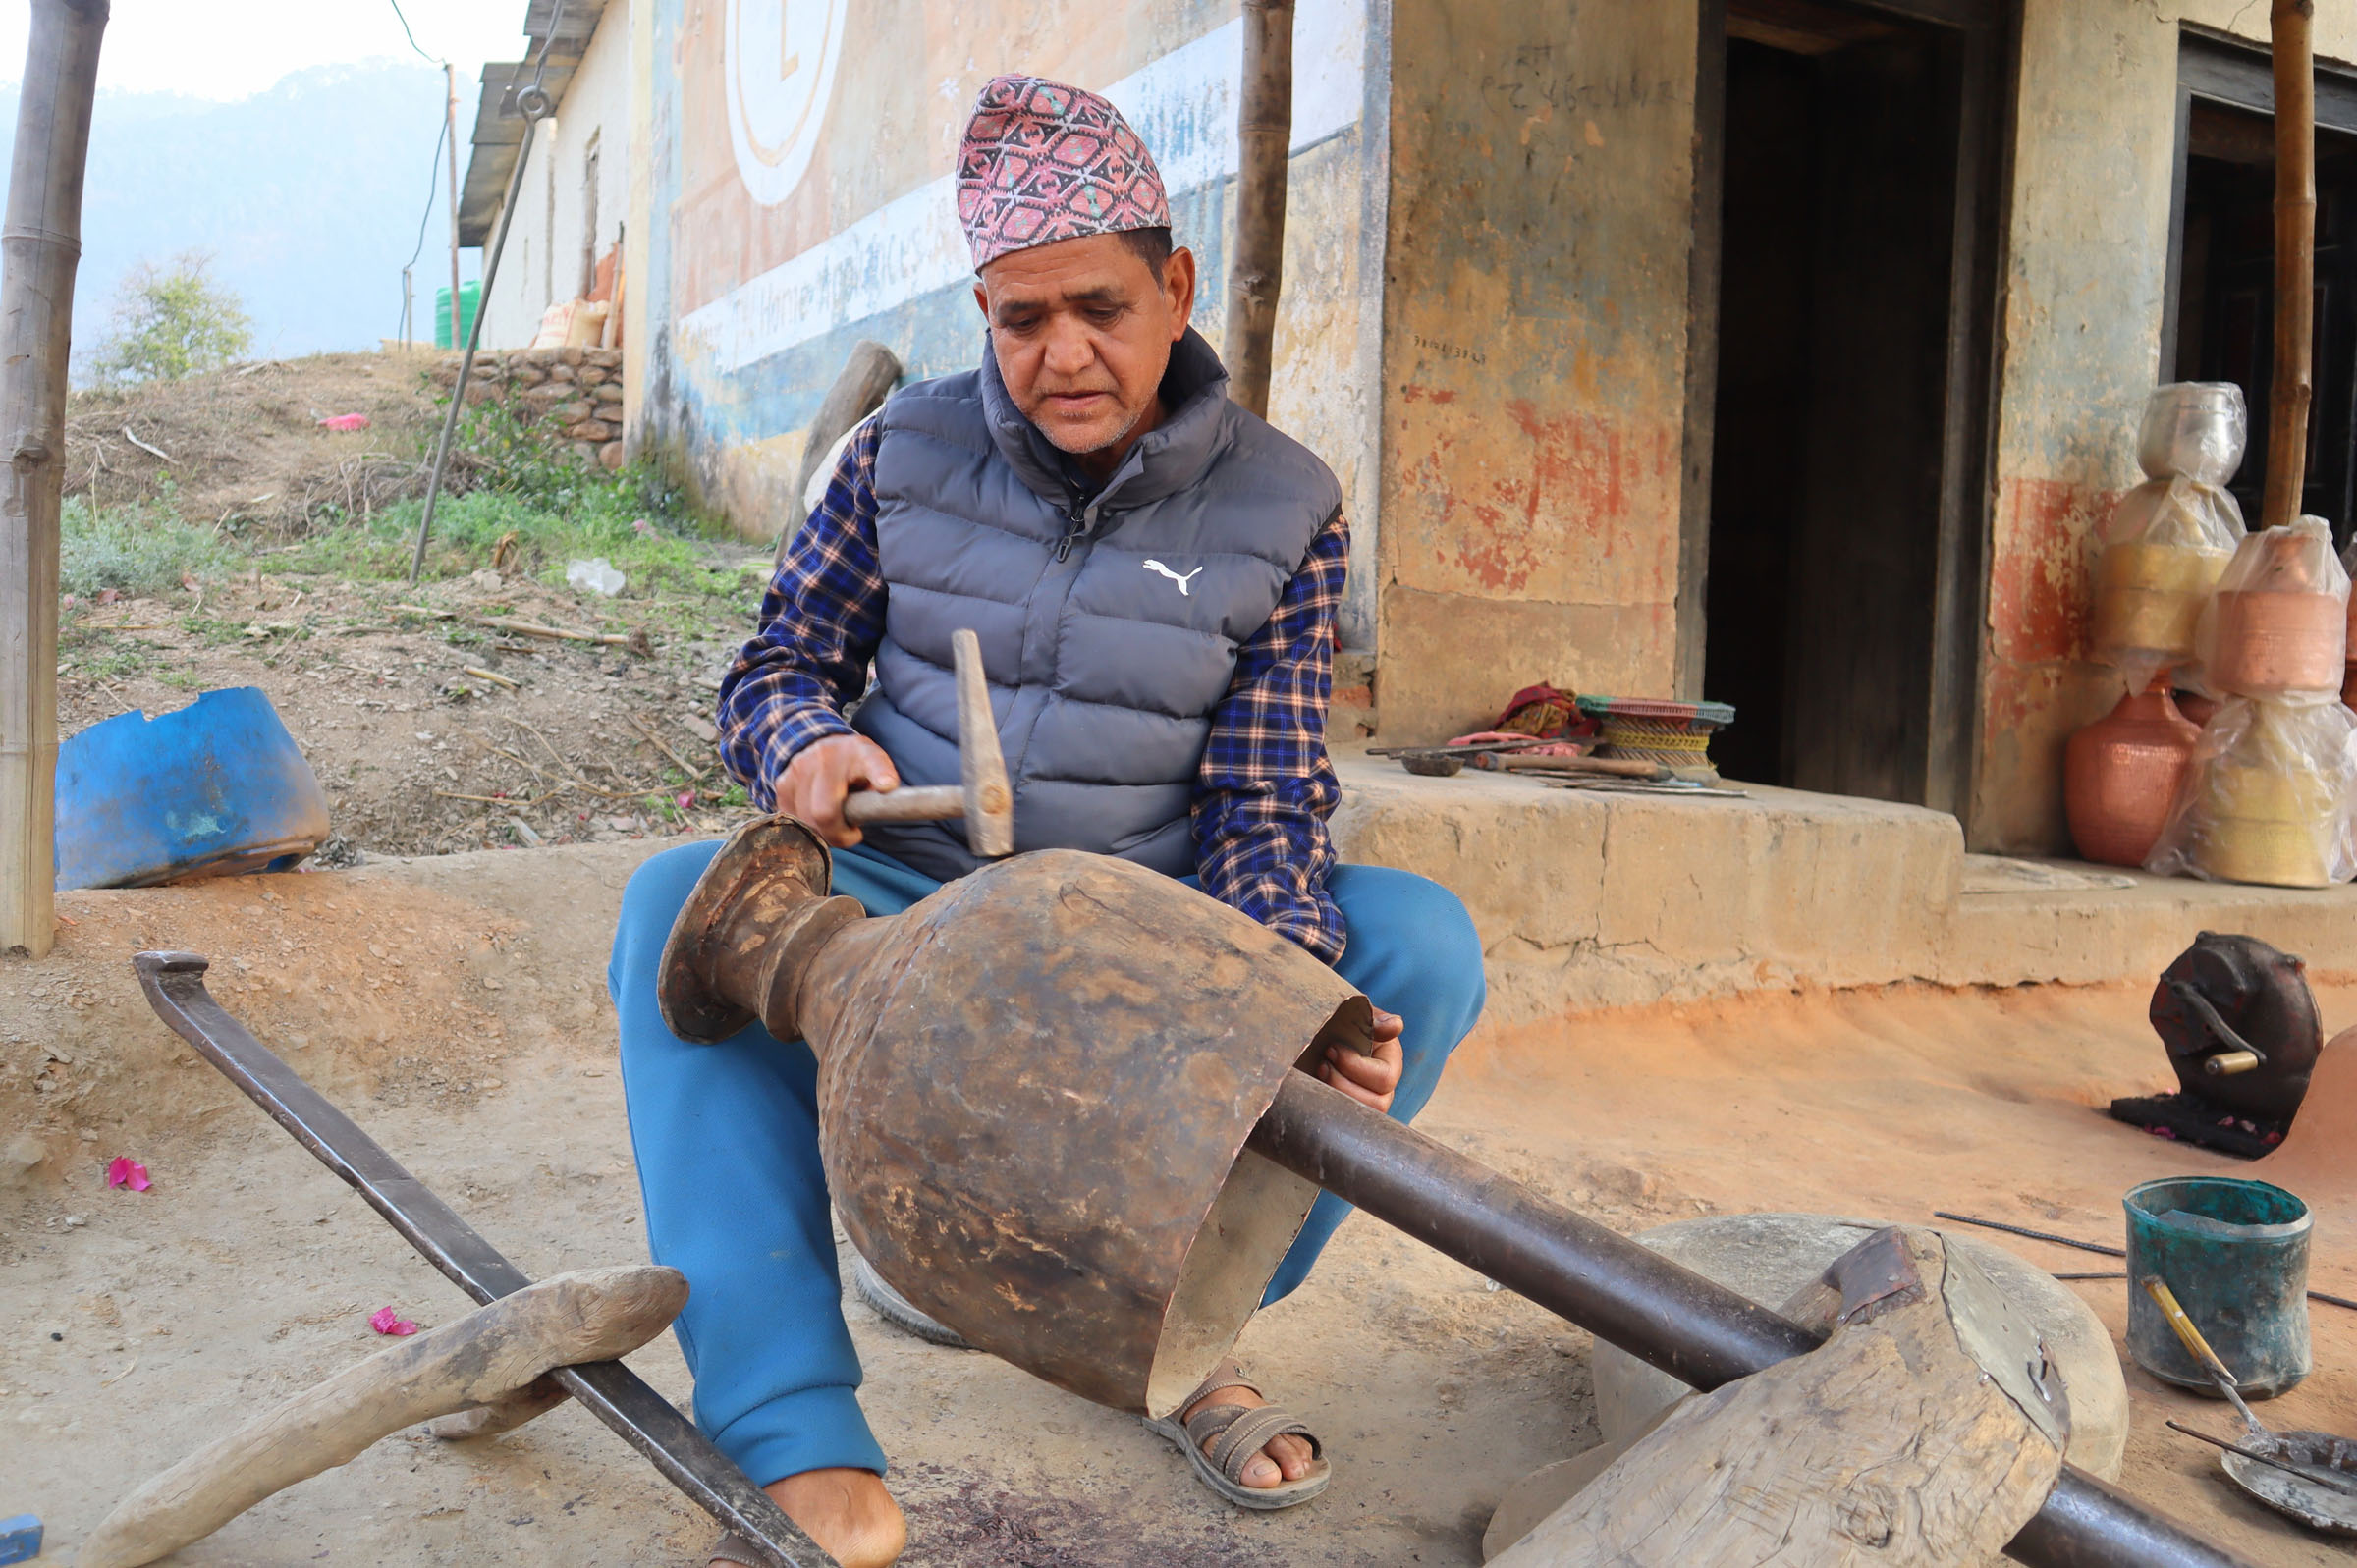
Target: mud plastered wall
1541,220
789,214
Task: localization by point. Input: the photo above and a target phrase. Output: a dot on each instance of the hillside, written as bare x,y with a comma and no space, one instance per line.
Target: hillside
261,549
309,195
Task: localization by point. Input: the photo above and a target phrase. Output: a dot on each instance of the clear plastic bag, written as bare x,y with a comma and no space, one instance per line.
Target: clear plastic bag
2278,622
2168,543
2271,797
2193,429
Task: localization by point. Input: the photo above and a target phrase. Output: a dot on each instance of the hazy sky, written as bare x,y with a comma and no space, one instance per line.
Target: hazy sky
233,48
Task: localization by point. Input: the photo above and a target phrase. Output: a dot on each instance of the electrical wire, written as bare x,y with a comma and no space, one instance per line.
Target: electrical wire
412,36
433,185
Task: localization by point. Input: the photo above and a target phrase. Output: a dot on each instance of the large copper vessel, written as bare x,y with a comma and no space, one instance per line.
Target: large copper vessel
2121,773
1074,1195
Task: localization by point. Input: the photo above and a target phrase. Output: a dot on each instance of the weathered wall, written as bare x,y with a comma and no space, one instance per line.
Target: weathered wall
2086,275
570,397
557,210
791,216
1534,353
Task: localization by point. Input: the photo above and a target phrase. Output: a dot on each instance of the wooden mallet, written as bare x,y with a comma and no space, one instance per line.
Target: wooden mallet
984,798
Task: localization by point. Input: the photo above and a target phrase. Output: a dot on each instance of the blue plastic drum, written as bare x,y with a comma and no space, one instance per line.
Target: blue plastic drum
216,789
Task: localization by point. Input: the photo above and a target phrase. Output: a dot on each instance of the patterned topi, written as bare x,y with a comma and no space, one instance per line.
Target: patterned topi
1042,162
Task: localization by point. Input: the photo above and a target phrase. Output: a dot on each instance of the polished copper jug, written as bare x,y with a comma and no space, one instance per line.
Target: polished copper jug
2121,773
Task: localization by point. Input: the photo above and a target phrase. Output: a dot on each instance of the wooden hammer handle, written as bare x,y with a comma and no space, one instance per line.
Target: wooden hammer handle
908,803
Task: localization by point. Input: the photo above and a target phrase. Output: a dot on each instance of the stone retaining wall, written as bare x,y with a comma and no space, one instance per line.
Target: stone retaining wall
569,395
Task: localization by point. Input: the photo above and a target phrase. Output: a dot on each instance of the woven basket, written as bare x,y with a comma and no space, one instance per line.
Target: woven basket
1677,734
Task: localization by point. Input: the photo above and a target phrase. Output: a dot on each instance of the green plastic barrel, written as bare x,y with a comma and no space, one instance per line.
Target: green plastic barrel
471,296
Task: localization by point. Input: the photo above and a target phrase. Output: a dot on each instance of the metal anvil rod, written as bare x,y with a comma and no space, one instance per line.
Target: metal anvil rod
1691,1328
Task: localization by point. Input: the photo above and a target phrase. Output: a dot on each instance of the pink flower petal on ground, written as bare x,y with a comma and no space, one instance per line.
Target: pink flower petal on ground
125,1171
687,798
387,1321
344,421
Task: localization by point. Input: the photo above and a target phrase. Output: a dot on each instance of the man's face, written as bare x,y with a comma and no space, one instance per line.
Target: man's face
1084,329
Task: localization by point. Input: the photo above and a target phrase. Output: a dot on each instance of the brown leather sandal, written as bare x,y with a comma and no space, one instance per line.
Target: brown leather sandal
1237,1432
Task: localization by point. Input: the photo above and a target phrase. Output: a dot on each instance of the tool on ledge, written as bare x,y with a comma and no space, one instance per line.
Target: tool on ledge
984,797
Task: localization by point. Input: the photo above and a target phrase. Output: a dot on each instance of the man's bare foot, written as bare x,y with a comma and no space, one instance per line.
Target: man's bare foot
1286,1458
846,1512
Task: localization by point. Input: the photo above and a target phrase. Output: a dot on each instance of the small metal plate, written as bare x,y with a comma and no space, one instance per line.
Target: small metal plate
2005,1346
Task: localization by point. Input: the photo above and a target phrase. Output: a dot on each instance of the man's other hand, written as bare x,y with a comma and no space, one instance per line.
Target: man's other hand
823,775
1369,1080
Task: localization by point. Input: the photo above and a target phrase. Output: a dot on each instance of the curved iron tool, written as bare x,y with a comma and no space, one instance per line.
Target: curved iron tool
608,1390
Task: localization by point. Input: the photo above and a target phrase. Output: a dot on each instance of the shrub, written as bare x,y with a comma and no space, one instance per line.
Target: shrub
170,321
138,549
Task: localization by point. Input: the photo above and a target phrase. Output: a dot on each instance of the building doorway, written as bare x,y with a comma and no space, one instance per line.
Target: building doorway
1844,517
2225,300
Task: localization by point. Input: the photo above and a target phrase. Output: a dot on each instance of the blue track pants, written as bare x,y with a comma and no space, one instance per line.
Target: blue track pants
726,1139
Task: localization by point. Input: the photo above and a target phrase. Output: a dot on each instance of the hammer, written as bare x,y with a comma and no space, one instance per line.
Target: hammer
984,798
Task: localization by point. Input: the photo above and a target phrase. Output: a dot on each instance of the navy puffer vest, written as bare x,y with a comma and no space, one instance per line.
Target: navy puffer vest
1109,622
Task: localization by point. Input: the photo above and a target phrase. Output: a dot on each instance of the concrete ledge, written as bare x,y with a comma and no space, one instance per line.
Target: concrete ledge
1586,899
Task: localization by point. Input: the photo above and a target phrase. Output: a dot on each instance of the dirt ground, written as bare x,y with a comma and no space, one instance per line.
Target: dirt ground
420,751
418,756
245,445
456,1007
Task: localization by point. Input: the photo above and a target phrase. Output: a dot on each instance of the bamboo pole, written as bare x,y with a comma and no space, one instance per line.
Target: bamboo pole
2295,260
1264,136
39,248
450,136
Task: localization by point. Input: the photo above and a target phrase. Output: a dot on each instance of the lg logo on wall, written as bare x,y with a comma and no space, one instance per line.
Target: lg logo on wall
780,64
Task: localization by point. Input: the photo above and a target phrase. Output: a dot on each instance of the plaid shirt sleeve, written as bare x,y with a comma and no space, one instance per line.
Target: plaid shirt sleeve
821,621
1265,787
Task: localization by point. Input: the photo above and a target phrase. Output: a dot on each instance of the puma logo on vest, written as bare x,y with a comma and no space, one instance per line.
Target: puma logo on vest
1156,565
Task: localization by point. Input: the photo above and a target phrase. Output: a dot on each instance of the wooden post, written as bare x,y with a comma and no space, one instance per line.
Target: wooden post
1264,136
2295,261
39,250
450,135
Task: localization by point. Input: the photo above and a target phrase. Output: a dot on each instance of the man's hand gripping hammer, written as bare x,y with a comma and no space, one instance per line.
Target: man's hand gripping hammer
984,798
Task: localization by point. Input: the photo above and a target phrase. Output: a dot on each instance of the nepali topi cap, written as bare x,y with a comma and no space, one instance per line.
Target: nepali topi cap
1042,162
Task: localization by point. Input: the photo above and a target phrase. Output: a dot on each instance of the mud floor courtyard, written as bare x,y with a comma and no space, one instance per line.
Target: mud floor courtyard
456,1007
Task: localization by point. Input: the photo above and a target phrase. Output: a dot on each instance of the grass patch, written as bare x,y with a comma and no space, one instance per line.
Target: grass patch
531,510
136,549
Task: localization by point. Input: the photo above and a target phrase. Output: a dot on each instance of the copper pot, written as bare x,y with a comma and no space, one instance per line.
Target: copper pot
2121,773
2270,644
1034,1092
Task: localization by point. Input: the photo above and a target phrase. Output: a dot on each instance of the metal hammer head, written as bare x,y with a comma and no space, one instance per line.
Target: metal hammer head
989,797
984,798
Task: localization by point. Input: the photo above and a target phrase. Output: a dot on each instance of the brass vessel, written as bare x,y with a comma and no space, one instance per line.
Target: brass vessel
2267,825
2148,598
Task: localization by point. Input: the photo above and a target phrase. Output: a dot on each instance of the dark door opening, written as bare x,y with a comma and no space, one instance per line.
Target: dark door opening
1834,452
2227,296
